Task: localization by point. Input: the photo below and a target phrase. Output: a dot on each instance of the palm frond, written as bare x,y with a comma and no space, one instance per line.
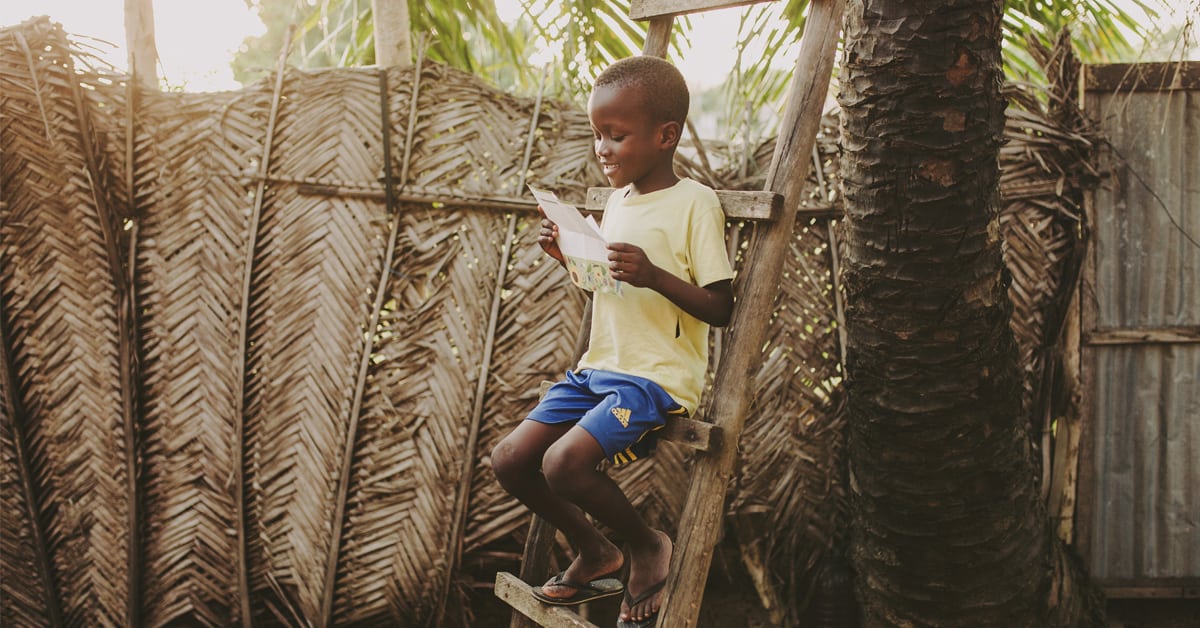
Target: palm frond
63,315
190,253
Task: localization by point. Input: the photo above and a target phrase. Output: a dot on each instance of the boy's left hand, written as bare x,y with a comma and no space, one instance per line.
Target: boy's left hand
630,264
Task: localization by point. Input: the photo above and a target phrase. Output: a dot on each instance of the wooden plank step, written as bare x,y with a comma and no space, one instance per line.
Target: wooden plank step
519,595
741,205
649,9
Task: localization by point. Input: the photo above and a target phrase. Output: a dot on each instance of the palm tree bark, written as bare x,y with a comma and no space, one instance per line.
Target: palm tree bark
948,529
393,37
139,39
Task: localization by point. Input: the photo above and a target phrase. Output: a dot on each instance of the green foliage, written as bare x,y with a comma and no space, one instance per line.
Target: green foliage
573,40
582,37
1100,29
467,34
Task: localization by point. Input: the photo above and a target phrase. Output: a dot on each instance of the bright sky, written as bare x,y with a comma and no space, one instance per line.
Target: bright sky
196,40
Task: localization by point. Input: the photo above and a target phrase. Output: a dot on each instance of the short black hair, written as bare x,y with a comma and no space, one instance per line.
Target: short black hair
660,84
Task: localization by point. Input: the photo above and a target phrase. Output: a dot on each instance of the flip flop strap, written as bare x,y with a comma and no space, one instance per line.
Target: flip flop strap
559,580
645,595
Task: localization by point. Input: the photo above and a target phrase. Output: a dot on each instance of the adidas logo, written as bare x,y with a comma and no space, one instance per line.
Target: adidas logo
622,415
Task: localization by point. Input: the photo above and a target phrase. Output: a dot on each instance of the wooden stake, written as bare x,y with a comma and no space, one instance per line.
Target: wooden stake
139,39
243,331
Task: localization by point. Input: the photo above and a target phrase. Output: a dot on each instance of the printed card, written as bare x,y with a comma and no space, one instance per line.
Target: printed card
584,248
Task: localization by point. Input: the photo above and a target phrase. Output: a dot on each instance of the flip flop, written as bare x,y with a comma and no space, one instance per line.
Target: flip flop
632,602
594,590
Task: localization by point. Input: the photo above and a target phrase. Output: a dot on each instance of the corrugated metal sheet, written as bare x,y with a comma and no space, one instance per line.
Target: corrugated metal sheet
1147,270
1145,494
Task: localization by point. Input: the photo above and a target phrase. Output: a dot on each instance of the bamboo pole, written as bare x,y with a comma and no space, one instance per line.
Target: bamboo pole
700,524
393,33
381,290
364,362
139,40
835,266
243,331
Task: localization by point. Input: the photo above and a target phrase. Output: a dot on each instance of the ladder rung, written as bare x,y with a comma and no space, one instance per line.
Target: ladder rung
647,9
519,595
738,205
695,434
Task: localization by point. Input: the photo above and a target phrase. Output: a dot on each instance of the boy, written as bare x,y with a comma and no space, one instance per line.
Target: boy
648,347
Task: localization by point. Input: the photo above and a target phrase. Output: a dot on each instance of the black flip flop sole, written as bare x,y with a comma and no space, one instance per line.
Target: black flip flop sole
594,590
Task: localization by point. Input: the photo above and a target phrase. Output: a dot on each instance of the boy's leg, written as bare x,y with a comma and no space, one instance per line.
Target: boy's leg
570,467
517,462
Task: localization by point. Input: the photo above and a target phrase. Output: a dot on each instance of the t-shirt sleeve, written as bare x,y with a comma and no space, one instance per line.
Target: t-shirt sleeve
709,260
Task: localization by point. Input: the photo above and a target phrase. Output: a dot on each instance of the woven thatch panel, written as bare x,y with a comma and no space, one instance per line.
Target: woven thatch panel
427,365
24,605
315,269
58,291
193,228
291,420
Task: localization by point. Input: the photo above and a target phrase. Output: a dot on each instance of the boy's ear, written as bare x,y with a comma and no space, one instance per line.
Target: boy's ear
670,133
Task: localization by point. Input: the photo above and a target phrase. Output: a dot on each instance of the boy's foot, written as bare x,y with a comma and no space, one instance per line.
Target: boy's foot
647,575
583,570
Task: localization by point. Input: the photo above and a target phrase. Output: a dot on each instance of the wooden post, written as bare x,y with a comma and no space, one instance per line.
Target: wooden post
393,33
139,39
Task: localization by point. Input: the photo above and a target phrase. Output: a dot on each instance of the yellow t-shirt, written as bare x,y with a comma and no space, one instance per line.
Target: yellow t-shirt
640,332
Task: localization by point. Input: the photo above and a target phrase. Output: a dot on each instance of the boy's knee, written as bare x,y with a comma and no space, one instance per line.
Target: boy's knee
563,471
506,463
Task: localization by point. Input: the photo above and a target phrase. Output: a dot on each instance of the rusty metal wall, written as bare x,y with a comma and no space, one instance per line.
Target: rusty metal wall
1144,491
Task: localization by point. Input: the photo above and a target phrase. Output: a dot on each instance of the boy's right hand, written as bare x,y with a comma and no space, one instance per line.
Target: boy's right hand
548,238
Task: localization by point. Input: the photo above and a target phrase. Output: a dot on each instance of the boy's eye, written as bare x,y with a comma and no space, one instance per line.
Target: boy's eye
618,138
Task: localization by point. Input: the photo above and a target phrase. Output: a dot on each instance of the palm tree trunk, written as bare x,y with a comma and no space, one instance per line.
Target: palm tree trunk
948,526
393,36
139,39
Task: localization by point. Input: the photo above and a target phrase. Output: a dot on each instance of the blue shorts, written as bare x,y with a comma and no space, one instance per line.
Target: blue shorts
622,412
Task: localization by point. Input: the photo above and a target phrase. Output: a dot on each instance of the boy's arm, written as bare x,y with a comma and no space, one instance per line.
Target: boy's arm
712,304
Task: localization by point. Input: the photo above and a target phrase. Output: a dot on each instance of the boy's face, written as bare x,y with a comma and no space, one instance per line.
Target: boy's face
631,147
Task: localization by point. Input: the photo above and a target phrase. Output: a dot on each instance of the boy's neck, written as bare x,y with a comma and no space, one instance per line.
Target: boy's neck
655,181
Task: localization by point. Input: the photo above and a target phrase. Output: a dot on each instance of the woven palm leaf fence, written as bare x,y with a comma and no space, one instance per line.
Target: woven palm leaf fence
257,345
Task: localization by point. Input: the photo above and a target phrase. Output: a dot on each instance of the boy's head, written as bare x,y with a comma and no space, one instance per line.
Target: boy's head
637,109
654,81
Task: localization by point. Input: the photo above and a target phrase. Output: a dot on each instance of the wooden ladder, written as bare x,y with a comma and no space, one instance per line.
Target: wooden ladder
717,438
